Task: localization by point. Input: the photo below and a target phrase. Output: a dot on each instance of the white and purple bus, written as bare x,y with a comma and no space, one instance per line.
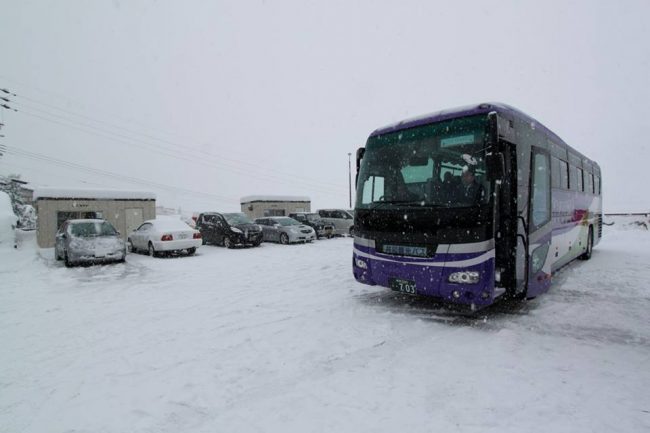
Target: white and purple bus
472,204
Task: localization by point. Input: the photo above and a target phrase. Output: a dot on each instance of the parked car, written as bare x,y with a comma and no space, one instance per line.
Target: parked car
88,241
164,235
285,230
314,221
340,219
228,229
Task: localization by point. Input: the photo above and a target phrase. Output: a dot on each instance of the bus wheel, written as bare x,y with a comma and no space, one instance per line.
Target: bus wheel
590,245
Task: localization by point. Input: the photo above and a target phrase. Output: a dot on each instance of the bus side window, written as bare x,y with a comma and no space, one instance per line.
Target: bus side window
564,175
580,174
555,172
573,178
589,183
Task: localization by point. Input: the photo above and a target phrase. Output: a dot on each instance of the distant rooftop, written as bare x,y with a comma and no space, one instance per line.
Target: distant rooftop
91,194
267,198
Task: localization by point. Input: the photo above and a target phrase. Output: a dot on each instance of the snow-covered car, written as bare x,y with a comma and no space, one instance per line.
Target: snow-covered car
164,235
88,241
313,220
340,219
8,220
285,230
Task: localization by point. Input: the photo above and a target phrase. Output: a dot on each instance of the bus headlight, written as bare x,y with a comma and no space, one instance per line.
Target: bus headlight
464,277
361,264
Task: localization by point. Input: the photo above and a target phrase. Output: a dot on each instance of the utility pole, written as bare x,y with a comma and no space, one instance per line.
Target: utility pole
350,179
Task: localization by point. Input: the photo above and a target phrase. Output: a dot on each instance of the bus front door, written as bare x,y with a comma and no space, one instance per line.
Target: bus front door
539,224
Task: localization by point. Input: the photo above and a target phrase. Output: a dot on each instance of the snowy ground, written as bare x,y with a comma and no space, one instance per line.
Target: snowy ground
282,339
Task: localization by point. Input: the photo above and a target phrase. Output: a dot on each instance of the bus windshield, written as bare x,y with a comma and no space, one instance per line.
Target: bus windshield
436,165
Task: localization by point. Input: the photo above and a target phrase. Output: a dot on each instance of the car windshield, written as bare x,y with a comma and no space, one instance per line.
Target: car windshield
286,222
92,229
436,165
313,217
237,218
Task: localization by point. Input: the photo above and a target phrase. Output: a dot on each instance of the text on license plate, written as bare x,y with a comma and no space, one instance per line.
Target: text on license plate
400,285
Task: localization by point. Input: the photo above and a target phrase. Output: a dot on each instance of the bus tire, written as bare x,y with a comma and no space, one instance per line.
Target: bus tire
590,245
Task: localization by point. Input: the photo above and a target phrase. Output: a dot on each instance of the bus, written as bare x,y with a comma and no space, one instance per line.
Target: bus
472,205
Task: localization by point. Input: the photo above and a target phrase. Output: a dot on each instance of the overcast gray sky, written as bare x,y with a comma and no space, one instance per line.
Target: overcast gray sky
221,99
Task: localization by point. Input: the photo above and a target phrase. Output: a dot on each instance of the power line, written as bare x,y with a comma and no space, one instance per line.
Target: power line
163,150
130,179
177,145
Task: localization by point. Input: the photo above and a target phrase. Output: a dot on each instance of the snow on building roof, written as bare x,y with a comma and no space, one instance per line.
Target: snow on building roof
92,194
253,198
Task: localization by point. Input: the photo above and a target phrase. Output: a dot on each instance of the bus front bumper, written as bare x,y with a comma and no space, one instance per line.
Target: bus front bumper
472,284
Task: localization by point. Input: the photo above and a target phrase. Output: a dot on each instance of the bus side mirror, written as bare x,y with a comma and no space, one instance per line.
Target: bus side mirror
495,166
360,152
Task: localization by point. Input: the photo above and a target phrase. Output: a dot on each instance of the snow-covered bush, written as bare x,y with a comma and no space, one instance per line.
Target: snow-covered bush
26,217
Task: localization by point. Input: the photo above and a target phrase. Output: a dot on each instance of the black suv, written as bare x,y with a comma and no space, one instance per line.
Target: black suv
314,220
228,229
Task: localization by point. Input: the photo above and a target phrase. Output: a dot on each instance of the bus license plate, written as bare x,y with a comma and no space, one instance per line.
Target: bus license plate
404,286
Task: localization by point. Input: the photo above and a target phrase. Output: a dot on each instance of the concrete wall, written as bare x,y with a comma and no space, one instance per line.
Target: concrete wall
257,209
114,211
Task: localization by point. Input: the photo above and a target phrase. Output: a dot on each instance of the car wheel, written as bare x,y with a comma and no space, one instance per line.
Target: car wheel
590,245
130,248
284,239
57,257
191,251
67,261
152,250
227,242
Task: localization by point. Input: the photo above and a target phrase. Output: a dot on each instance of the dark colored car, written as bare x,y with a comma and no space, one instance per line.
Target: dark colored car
314,221
88,241
228,229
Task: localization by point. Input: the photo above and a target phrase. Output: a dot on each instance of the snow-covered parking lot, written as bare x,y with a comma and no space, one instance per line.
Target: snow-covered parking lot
282,339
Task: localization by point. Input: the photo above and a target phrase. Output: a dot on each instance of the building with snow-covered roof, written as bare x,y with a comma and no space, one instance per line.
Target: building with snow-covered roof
258,206
124,209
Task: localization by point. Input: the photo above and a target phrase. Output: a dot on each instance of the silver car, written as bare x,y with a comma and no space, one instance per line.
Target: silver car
340,219
285,230
88,241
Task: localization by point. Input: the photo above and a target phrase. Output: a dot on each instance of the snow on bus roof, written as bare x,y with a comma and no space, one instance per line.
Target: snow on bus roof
92,193
252,198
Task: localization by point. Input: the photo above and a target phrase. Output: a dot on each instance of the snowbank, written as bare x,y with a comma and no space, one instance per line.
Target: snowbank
8,220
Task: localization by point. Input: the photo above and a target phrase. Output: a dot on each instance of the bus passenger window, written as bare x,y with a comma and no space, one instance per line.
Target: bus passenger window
580,180
589,183
564,175
555,172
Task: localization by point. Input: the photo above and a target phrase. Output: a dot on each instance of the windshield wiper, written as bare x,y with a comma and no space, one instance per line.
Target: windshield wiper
420,203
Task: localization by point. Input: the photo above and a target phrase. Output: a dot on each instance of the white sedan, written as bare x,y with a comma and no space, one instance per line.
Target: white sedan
166,235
